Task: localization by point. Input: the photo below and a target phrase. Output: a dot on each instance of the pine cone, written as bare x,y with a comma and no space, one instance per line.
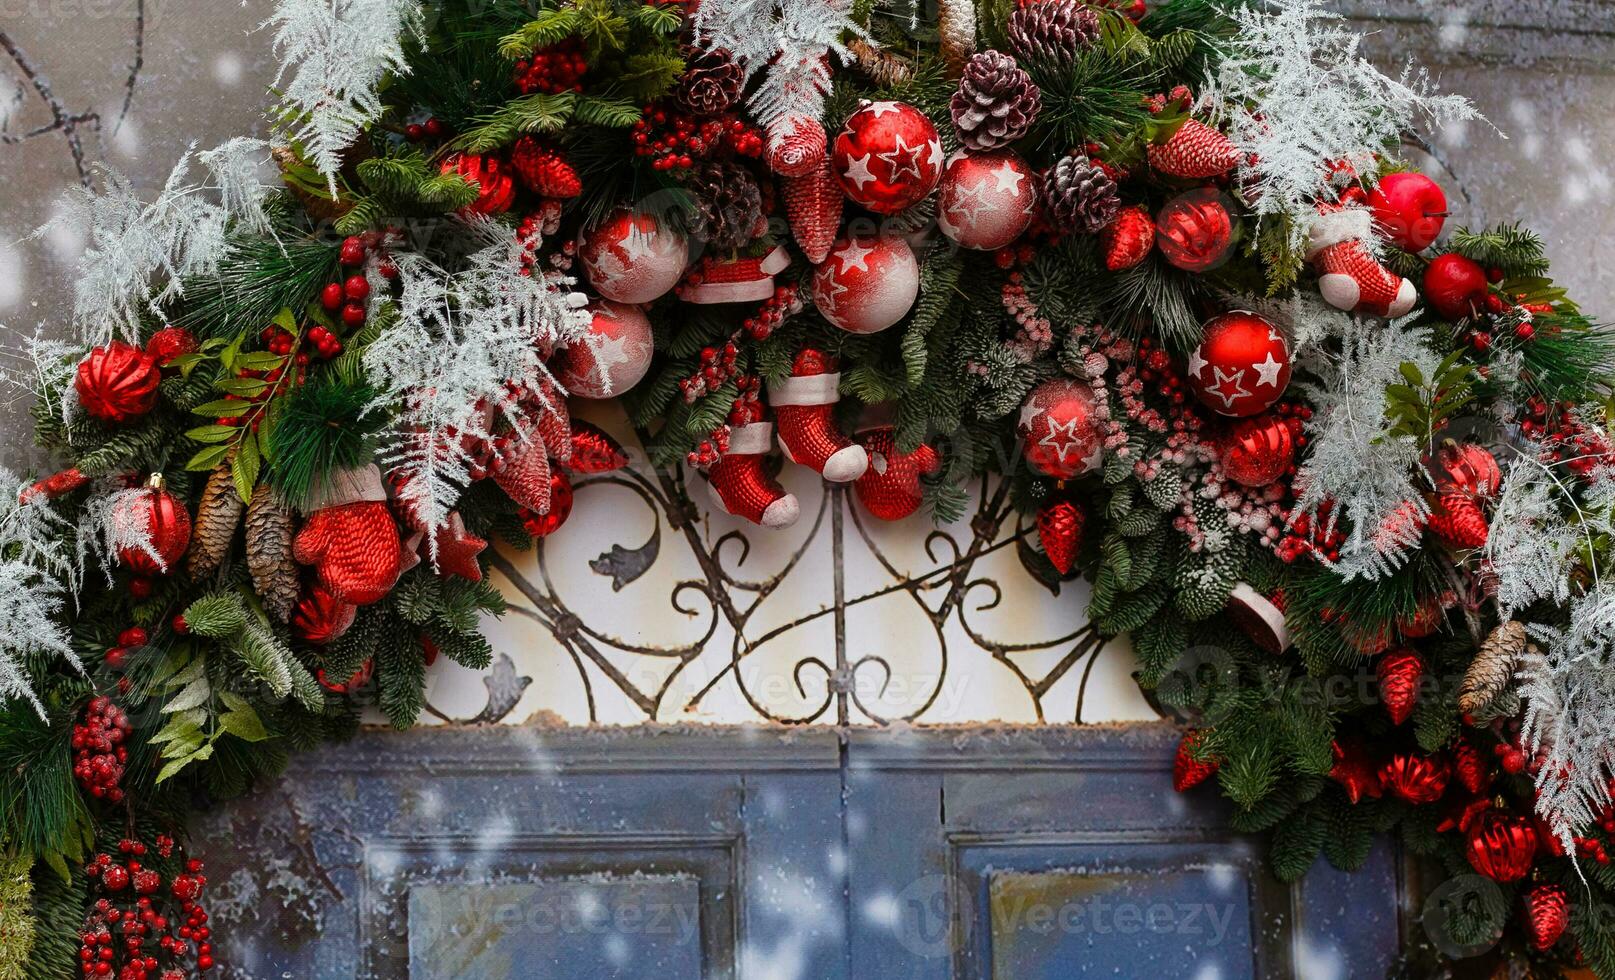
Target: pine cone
709,85
269,553
728,204
1079,195
1053,32
996,102
1493,667
881,67
217,515
956,27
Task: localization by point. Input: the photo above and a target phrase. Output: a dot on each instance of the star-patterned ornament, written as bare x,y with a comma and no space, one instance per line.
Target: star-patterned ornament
987,199
612,358
1242,365
1060,429
867,283
888,157
633,257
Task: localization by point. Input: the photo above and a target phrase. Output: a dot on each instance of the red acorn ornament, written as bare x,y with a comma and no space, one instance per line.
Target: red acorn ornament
1399,672
1354,771
117,382
1416,779
1501,846
1195,151
1187,770
321,617
1547,914
496,192
890,488
155,515
1059,529
1127,240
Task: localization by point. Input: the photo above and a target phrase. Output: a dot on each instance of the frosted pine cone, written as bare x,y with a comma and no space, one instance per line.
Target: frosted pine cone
1053,32
709,85
728,204
996,102
1079,195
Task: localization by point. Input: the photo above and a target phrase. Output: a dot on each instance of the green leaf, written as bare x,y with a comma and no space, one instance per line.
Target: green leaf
226,407
244,469
244,724
208,458
212,433
260,360
194,694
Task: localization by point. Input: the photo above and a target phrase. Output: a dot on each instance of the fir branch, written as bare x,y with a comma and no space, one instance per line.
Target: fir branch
1515,250
322,427
256,278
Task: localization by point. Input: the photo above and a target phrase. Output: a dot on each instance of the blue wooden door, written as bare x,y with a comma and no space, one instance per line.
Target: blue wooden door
770,854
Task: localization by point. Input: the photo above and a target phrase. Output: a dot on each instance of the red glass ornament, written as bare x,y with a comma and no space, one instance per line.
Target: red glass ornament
612,357
1467,468
867,283
1187,770
1059,530
987,199
890,488
496,191
1455,286
593,451
321,617
1470,766
1417,779
1354,770
169,343
1409,210
1059,429
633,257
1194,231
117,382
545,524
1258,450
1458,520
1242,365
1399,672
888,157
155,515
1547,915
1501,846
356,680
1127,240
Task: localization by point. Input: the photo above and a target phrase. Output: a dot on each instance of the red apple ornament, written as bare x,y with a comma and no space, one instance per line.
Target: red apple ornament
1409,210
1455,286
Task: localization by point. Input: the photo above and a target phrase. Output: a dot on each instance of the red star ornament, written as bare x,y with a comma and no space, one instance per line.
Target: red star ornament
1060,430
457,550
888,157
986,200
1242,365
868,283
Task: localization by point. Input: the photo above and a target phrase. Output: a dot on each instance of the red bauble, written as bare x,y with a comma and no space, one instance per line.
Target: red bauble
612,358
1468,469
1060,429
1409,210
1354,771
117,382
1194,231
1242,365
593,451
633,257
1127,240
1501,846
1455,286
867,284
545,524
987,199
1188,771
1258,450
1547,914
1399,672
890,488
1416,779
888,157
496,191
1059,530
153,514
321,617
169,343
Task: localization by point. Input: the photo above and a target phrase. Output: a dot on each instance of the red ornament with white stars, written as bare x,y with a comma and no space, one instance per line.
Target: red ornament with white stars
987,199
888,157
633,257
867,284
613,356
1242,365
1060,429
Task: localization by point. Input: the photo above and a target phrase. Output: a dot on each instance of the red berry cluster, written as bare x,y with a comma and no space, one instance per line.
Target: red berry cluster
717,366
347,297
144,940
432,128
1311,534
1581,449
775,310
675,140
129,640
357,248
552,70
99,752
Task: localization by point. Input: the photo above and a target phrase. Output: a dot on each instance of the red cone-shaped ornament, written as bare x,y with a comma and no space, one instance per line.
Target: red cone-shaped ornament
1470,766
1195,151
1059,530
1501,846
117,382
522,470
1459,521
890,488
496,191
813,204
1127,240
1399,672
545,524
1188,771
155,515
593,451
1547,914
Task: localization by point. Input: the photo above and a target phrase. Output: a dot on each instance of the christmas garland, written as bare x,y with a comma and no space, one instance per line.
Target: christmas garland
1156,267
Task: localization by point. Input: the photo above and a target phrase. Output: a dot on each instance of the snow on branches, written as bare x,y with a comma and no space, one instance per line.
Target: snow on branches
138,253
1356,460
37,571
467,345
788,41
1300,100
336,53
